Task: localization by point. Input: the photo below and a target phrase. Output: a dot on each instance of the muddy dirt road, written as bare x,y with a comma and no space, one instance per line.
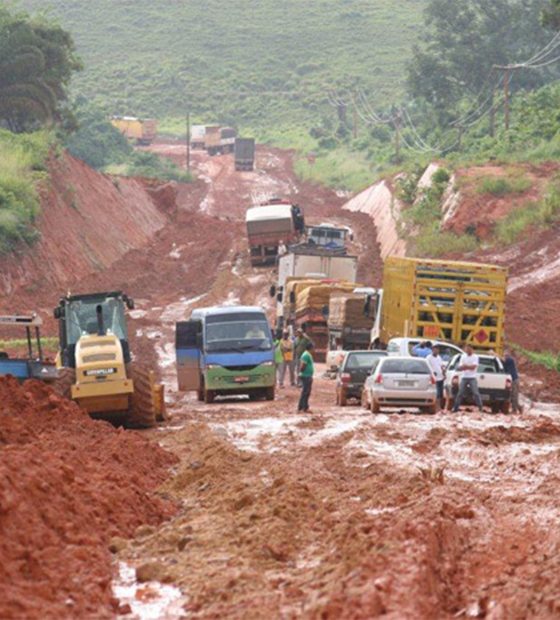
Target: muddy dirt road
339,514
336,514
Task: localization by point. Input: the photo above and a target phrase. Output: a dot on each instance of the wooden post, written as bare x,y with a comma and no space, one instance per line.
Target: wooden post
397,140
493,112
188,142
506,98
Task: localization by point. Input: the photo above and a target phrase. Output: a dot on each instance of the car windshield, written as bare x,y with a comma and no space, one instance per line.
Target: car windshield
409,367
237,333
82,318
358,361
393,347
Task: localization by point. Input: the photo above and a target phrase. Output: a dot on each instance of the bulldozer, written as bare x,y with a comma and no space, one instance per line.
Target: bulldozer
95,363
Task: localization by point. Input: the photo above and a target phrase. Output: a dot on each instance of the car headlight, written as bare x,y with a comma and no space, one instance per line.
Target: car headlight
211,366
268,364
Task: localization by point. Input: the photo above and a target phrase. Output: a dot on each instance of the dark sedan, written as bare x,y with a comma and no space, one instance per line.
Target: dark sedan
353,374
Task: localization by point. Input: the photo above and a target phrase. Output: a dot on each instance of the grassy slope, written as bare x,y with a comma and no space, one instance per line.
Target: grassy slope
160,58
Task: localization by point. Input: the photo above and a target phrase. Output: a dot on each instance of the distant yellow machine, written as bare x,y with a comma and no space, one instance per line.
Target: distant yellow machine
95,364
143,131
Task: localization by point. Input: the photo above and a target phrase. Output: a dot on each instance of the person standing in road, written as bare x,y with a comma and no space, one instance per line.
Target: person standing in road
282,249
306,371
468,365
278,358
302,340
511,368
438,368
287,351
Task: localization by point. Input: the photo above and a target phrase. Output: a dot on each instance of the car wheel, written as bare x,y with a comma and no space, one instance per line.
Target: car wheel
343,398
505,406
432,409
375,408
337,398
365,404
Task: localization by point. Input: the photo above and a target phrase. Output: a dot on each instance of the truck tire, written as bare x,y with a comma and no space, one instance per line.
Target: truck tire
375,408
64,382
496,407
141,411
209,396
269,394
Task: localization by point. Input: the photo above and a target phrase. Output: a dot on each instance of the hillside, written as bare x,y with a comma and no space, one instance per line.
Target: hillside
239,62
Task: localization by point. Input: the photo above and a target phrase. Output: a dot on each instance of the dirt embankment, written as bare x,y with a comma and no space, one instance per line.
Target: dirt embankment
67,485
88,221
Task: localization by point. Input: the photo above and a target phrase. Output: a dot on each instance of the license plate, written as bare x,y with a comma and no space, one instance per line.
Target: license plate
242,379
406,383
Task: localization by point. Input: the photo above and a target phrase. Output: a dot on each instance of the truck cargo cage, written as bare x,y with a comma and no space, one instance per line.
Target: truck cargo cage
445,300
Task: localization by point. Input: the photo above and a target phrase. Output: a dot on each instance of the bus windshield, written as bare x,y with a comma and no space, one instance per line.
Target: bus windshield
82,318
237,333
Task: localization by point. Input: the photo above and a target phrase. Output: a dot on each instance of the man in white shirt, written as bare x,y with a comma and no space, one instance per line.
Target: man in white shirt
438,368
468,365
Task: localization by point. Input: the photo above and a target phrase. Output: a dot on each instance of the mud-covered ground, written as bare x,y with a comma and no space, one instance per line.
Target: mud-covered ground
336,514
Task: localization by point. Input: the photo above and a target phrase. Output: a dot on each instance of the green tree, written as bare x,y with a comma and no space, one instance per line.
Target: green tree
551,15
463,39
37,60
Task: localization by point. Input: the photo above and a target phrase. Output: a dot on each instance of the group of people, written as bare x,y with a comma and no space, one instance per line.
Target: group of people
293,357
468,365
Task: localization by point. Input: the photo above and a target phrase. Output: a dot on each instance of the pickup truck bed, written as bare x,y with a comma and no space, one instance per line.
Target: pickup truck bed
494,384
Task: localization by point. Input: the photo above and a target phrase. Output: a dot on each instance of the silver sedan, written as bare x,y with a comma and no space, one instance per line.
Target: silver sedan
400,382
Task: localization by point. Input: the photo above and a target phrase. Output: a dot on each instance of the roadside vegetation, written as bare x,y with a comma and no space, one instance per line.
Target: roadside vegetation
23,165
547,359
104,148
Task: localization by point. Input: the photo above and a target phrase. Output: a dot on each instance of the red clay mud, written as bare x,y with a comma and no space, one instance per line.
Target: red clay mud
67,485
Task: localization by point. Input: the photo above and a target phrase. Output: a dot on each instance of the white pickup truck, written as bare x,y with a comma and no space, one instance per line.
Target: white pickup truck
494,384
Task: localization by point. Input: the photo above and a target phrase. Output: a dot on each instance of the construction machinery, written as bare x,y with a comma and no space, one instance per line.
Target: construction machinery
95,363
34,366
444,300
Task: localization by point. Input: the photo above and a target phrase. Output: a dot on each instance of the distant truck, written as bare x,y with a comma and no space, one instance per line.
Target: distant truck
244,150
142,131
351,319
269,224
443,300
304,261
218,140
327,236
311,309
198,133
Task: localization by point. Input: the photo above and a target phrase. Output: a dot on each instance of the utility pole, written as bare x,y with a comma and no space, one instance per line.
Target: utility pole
188,141
506,97
507,83
396,125
493,112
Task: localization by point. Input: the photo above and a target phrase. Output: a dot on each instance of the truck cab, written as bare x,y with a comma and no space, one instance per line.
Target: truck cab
226,351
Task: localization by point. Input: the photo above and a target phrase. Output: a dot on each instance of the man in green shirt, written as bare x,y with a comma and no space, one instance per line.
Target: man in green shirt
302,340
306,377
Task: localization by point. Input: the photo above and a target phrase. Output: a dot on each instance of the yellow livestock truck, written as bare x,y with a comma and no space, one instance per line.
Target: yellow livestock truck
444,300
142,130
